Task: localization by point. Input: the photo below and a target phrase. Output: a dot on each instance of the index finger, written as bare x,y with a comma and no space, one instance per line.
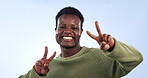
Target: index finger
46,52
98,28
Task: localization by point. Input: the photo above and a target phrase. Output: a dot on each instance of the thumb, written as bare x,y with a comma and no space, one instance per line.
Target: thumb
104,46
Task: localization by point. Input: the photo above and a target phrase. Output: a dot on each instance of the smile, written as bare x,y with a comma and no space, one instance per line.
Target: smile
67,38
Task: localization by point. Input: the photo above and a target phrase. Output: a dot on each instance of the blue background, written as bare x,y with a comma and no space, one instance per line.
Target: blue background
26,26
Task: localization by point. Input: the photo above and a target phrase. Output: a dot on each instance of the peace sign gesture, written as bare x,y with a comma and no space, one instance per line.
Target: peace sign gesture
105,41
41,66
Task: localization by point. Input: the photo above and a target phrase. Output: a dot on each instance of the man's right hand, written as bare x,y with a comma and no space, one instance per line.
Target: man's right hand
41,66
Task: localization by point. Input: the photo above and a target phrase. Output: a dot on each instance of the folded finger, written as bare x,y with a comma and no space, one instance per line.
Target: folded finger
104,46
39,63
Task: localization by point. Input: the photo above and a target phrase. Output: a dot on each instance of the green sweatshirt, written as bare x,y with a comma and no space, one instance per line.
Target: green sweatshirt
93,63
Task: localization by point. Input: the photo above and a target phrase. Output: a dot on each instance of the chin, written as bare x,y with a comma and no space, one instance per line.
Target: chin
67,46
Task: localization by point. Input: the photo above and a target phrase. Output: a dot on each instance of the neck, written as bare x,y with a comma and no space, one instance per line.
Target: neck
67,52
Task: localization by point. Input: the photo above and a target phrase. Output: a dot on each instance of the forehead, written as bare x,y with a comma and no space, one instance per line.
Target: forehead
69,17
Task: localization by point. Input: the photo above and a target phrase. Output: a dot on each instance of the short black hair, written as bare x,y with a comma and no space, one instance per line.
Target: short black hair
72,11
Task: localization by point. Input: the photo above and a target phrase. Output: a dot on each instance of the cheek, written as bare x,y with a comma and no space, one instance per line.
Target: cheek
58,33
57,36
79,33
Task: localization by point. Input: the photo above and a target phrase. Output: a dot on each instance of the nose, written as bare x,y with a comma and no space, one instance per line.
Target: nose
68,31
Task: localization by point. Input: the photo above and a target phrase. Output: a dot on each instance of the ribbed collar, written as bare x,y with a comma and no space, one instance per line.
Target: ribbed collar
81,52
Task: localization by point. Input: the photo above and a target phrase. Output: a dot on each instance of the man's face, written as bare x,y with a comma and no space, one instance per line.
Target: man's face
68,30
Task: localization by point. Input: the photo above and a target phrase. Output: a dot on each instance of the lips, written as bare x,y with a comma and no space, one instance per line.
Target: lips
67,38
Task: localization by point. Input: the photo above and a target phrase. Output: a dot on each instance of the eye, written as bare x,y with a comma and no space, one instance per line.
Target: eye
62,27
74,28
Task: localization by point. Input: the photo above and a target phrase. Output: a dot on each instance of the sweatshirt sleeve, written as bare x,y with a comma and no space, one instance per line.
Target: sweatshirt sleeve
125,58
31,74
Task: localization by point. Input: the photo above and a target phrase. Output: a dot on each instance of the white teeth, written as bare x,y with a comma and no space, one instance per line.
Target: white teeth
67,37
